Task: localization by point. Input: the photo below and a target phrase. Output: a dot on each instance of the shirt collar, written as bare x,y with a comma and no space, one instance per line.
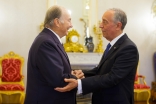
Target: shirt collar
116,39
55,35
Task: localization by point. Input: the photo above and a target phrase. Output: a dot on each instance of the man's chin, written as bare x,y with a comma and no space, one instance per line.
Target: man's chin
67,32
104,34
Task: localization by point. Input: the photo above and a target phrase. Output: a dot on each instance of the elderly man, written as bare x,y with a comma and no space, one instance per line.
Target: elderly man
48,63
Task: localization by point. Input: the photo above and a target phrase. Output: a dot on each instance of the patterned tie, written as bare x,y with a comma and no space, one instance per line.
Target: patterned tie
107,49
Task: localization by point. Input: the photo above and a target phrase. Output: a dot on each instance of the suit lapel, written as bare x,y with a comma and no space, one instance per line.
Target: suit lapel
62,49
113,49
57,42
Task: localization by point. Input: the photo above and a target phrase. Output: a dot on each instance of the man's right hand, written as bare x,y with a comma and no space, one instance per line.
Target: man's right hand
78,73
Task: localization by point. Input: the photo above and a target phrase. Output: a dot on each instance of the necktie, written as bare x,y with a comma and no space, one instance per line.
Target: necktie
104,55
107,49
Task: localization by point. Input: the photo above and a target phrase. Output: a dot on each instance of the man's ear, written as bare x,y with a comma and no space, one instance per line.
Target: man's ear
57,22
118,25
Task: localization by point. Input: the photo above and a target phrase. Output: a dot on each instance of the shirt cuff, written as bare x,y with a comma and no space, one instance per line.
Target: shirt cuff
79,91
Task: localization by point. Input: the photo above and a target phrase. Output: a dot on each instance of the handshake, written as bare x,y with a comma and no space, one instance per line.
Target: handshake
72,83
78,73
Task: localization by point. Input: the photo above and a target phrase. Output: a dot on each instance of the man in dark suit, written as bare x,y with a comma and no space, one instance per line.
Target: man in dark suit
112,81
48,64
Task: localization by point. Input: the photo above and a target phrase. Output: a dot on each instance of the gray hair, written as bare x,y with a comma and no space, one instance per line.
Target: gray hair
52,13
120,16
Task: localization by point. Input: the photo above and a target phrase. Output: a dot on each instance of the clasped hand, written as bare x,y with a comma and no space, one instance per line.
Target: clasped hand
72,83
78,73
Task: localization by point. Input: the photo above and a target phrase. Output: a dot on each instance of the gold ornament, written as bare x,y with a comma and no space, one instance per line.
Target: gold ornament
41,26
72,42
98,32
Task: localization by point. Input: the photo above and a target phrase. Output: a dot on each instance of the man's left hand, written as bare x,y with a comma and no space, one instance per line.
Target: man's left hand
72,83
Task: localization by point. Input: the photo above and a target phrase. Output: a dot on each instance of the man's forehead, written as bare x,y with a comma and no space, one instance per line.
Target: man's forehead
108,14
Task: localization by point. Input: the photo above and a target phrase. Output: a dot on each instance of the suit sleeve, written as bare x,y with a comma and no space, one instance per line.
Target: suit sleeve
89,73
51,65
123,63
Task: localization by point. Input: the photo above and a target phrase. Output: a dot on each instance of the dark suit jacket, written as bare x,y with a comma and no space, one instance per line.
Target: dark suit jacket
112,80
48,65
